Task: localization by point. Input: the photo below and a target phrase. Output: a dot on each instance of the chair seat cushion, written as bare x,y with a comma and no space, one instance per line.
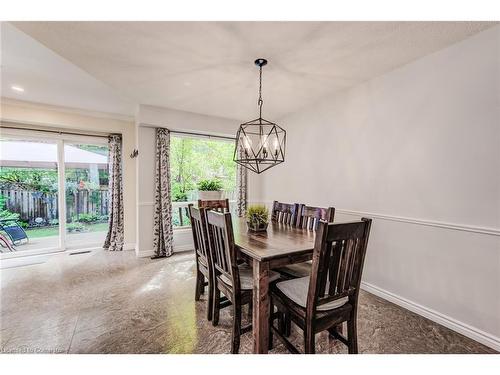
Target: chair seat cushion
297,289
246,277
296,270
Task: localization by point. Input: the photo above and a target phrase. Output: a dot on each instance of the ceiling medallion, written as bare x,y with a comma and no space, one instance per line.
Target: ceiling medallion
260,144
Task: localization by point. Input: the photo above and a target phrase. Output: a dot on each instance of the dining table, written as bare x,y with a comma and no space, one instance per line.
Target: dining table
278,246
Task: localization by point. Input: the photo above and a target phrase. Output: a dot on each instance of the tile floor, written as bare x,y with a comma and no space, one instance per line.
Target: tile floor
106,302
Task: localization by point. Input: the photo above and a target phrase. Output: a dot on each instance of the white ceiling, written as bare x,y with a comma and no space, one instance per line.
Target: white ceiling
207,67
49,78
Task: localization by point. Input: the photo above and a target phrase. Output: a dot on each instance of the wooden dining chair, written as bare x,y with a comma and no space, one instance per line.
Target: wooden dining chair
308,218
204,268
233,280
329,296
221,205
285,213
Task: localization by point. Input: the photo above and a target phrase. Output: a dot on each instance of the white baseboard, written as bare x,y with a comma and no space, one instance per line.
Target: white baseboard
129,246
181,248
177,249
145,254
453,324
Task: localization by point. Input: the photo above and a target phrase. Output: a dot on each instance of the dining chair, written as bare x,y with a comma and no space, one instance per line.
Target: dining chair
285,213
308,218
220,205
329,296
204,269
233,280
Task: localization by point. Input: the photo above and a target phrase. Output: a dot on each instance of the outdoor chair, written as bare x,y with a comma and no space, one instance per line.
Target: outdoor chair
14,231
4,243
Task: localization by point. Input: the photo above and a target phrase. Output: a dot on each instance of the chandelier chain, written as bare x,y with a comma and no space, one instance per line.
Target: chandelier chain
260,102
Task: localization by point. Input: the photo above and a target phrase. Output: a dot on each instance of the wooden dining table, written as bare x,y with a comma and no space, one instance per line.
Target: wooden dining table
279,246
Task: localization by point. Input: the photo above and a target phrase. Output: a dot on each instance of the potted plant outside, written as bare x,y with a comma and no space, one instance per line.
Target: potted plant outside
209,190
257,218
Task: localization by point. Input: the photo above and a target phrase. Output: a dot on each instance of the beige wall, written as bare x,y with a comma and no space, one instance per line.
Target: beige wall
42,115
417,150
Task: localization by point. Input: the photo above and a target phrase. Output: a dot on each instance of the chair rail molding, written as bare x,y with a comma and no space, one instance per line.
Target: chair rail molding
430,223
146,204
425,222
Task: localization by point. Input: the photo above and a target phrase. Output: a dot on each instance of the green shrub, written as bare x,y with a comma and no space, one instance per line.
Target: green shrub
210,185
180,197
88,218
75,227
178,193
258,214
6,214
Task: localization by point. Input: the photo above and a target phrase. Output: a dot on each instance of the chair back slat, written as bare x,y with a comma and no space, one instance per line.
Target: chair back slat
308,217
338,260
219,205
285,213
221,242
199,229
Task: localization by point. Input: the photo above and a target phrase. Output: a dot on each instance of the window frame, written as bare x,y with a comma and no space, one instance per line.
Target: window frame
177,205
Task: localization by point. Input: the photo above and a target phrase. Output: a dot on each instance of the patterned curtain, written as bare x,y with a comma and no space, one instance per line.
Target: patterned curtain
241,201
114,238
162,230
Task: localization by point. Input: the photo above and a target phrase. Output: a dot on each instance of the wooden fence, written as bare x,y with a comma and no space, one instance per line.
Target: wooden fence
33,204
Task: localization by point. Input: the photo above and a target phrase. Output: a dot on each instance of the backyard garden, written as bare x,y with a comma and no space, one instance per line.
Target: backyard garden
199,164
29,195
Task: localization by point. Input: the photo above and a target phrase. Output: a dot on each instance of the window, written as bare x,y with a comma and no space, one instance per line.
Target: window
53,193
192,160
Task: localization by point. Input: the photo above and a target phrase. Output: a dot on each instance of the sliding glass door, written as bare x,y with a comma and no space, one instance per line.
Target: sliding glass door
53,193
29,210
86,187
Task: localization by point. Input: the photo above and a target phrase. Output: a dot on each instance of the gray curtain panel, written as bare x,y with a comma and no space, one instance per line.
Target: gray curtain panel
162,227
241,176
114,238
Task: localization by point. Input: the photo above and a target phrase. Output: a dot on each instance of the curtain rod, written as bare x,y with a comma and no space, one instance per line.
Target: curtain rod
202,135
145,125
58,131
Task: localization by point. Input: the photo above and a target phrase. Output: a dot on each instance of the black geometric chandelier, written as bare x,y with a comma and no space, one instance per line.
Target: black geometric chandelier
260,144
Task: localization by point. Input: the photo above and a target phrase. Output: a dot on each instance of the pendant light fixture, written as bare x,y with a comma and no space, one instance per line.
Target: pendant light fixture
260,144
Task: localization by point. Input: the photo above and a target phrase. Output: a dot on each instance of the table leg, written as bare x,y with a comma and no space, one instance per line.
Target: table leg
261,307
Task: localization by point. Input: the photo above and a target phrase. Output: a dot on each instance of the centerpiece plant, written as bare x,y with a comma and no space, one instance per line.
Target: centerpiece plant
257,218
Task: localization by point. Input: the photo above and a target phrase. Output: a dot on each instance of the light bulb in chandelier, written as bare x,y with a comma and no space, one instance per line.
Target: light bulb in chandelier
265,145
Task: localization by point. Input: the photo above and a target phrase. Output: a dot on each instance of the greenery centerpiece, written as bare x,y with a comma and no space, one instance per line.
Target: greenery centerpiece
210,189
257,218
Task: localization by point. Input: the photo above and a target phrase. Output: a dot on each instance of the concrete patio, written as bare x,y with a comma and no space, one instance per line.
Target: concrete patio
73,241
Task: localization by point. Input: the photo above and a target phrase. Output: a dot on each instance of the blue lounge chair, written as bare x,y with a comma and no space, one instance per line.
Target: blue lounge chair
14,231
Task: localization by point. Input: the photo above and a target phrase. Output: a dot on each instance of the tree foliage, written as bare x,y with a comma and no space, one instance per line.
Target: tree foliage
33,179
193,160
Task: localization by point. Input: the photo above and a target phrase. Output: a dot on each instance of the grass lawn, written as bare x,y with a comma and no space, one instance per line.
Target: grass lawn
54,231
